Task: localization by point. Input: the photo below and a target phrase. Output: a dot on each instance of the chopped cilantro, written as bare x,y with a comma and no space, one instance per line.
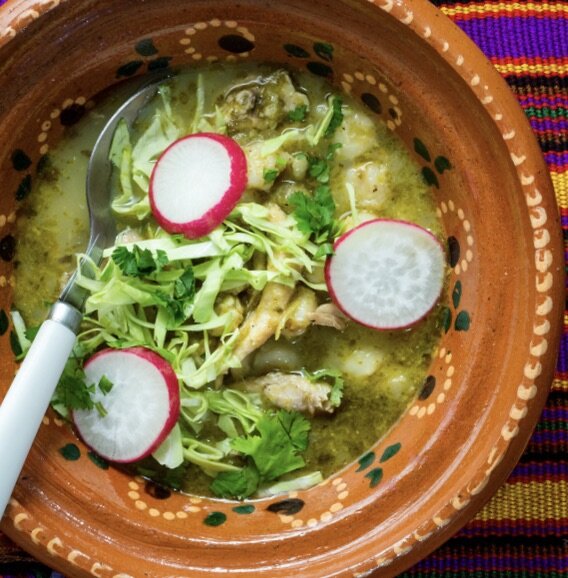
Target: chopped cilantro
105,384
315,216
184,287
72,391
299,113
270,175
336,119
138,261
238,484
319,168
272,453
333,378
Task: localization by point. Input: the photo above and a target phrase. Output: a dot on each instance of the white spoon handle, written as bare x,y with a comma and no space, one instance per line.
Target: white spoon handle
27,400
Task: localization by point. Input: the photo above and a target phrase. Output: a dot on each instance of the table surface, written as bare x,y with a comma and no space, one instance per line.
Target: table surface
523,531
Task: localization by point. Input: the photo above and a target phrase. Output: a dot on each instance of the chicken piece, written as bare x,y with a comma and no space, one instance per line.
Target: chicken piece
232,305
328,315
299,314
261,104
292,392
262,322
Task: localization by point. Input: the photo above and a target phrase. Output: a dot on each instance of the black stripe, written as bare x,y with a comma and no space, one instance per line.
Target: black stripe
554,144
534,454
555,83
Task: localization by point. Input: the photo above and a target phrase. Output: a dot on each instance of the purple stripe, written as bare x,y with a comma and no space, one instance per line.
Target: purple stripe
548,437
486,562
556,158
483,528
527,36
562,363
545,124
538,470
555,414
544,100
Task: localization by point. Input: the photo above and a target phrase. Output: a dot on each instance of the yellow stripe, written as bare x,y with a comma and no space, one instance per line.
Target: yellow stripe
560,385
548,68
560,184
505,7
532,501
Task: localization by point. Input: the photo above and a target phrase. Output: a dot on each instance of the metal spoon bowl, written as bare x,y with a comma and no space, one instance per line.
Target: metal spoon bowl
27,400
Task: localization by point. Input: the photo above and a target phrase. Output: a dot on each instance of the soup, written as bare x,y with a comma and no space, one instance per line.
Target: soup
307,371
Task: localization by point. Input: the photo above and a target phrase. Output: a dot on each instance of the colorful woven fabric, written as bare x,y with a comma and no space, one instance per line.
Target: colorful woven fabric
523,531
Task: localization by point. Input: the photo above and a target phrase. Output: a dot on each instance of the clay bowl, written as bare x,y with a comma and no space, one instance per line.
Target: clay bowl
462,435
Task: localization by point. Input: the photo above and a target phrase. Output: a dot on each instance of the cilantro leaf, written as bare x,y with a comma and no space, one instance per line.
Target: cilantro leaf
238,484
299,113
333,378
270,175
336,119
184,287
315,216
319,168
276,450
72,391
138,262
297,427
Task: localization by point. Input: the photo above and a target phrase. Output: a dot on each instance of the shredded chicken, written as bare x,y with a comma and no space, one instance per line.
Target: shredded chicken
329,315
292,392
299,313
262,322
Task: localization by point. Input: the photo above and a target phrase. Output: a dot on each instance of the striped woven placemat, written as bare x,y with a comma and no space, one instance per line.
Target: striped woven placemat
523,531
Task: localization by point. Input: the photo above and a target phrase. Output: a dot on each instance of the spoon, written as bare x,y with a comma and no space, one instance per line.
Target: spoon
28,398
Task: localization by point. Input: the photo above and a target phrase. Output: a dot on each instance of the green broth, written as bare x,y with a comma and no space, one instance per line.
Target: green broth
383,371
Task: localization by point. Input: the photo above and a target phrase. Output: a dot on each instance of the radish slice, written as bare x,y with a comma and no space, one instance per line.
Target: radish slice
142,407
386,274
196,182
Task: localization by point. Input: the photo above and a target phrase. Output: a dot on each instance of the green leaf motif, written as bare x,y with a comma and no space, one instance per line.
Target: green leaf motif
3,322
324,50
20,160
146,47
446,319
70,452
159,63
24,188
320,69
456,294
297,51
365,461
390,452
98,461
215,519
463,321
129,69
245,509
442,164
430,177
421,149
375,475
